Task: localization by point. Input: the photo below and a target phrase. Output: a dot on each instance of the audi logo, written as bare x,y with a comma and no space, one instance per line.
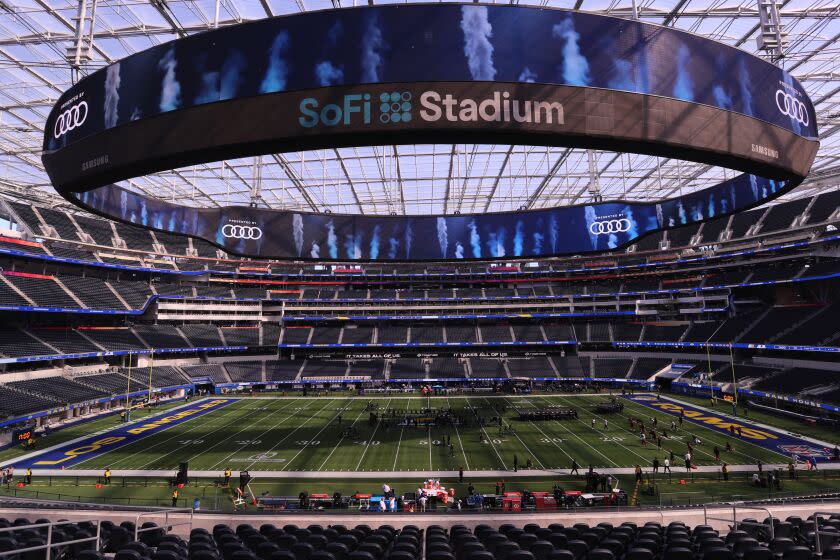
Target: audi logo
610,226
241,232
73,117
791,107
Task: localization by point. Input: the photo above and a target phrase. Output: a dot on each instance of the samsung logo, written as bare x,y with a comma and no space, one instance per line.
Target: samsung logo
95,162
765,151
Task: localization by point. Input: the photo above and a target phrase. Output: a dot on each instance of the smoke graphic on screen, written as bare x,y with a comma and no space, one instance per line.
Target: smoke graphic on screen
170,91
746,94
519,238
633,231
371,51
722,98
475,239
332,240
527,76
696,212
684,86
315,251
112,95
123,203
754,186
681,212
328,74
623,76
575,65
459,250
393,247
278,70
442,235
374,242
553,232
496,242
352,246
408,235
477,46
710,212
231,75
538,241
209,91
297,232
590,217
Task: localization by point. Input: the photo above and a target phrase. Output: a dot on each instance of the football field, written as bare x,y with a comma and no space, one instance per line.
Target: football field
339,434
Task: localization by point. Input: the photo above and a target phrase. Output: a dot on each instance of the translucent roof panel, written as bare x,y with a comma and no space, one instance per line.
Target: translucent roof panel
35,36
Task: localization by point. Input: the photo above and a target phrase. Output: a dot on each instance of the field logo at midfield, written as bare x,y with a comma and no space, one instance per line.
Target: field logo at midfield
66,456
779,442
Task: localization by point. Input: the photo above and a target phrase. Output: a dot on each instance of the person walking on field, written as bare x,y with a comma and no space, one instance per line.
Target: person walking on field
666,468
575,467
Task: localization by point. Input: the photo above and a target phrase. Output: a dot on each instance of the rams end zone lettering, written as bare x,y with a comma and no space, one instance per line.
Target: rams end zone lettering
697,416
109,441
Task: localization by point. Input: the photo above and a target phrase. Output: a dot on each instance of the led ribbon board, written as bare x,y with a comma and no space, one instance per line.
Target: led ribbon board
430,73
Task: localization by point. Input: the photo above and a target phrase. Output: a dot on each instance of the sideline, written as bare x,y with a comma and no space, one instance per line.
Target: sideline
532,473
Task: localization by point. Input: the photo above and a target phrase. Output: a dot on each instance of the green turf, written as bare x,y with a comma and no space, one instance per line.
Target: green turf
302,434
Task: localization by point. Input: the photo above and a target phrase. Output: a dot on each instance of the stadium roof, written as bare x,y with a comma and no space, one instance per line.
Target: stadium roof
35,36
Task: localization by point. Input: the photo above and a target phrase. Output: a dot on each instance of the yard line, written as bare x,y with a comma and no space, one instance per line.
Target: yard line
595,449
397,454
240,448
289,462
528,449
362,411
378,422
549,438
483,429
429,437
603,434
458,434
273,447
233,409
697,450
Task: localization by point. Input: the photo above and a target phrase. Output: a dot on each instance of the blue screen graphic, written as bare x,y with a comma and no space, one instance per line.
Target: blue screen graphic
431,43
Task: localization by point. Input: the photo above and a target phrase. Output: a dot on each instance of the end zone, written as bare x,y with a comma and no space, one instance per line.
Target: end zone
73,452
773,440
